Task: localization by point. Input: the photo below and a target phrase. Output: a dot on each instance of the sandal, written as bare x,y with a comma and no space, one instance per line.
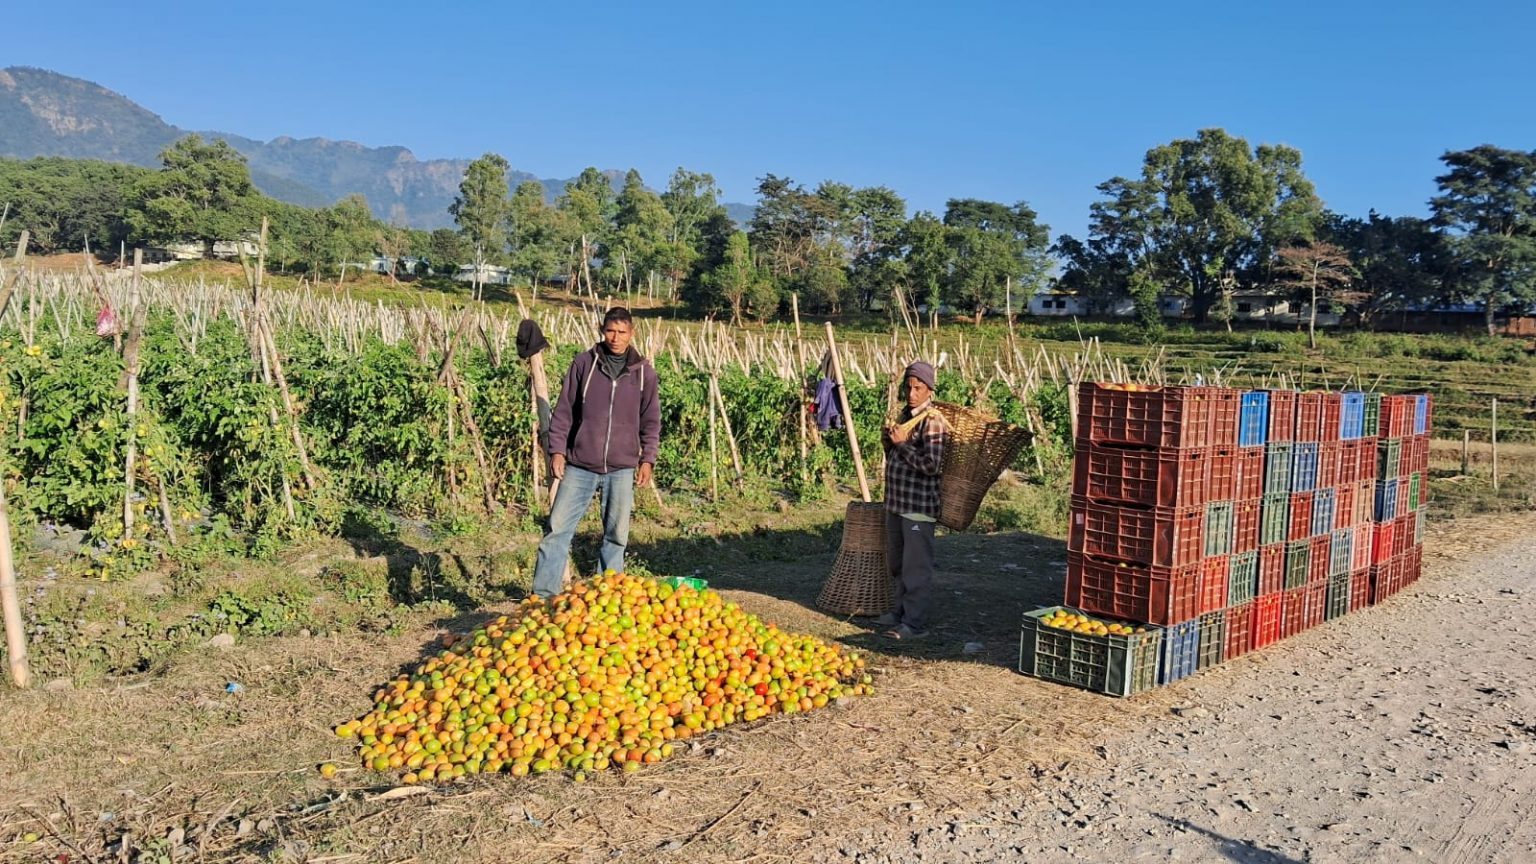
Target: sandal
903,633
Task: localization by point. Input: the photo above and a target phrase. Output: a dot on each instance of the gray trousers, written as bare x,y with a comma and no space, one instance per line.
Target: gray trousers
909,557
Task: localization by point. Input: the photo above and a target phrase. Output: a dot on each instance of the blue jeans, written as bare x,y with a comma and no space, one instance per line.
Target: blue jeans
571,501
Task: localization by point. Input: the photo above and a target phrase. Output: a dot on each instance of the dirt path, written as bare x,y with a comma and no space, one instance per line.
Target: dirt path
1407,732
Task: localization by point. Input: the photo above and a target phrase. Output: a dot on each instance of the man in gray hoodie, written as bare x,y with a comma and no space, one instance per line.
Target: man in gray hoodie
603,437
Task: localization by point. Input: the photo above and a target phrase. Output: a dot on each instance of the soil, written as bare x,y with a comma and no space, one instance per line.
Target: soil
1405,732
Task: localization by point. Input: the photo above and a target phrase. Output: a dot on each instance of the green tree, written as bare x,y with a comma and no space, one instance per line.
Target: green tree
351,232
1205,209
699,225
929,260
640,247
532,226
997,248
737,284
202,192
480,210
588,207
446,250
1487,202
1398,260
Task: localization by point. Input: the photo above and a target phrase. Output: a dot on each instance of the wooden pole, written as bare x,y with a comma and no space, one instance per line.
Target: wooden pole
842,398
1493,435
9,286
1466,447
725,420
15,636
136,315
714,459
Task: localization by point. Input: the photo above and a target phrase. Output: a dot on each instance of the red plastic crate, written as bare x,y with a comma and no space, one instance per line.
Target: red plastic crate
1222,480
1396,416
1402,534
1266,620
1160,537
1315,612
1239,631
1293,611
1154,595
1328,457
1309,416
1282,416
1213,583
1317,565
1226,406
1349,462
1381,542
1413,566
1361,559
1359,589
1332,418
1151,478
1159,417
1271,568
1384,580
1250,473
1245,526
1300,527
1368,464
1344,505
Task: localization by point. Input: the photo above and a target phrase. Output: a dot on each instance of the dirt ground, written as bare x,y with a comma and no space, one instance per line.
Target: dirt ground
1401,733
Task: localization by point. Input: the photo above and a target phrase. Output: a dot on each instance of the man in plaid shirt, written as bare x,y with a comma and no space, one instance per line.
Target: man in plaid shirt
913,455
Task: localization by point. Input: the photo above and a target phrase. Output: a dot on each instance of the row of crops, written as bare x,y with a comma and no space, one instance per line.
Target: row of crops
381,421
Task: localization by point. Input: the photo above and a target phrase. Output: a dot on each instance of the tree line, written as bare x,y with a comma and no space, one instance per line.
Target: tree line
1205,218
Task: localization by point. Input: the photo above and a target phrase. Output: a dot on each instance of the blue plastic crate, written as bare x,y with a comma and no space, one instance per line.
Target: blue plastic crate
1386,501
1352,417
1323,507
1180,653
1303,467
1420,414
1253,419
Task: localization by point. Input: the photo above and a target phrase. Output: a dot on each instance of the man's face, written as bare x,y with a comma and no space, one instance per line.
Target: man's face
917,391
616,335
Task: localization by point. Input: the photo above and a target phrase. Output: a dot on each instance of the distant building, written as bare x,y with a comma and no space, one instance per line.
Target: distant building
485,274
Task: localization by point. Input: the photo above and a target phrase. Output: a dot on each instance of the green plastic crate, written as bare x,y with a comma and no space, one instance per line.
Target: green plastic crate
1372,426
687,582
1338,597
1218,528
1213,638
1243,579
1116,665
1277,468
1298,560
1414,485
1389,458
1274,518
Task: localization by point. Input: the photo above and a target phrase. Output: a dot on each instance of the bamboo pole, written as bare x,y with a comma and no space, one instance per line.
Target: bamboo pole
1466,448
136,315
714,460
718,403
9,286
15,635
1493,435
842,398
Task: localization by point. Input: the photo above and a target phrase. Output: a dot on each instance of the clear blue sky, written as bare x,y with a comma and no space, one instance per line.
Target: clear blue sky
999,100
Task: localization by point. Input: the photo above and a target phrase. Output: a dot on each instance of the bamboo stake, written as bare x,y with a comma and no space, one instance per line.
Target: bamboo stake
718,402
842,397
714,461
15,635
1493,434
1466,446
10,280
131,379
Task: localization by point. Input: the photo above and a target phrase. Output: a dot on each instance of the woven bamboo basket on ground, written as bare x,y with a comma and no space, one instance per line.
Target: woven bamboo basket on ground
860,583
980,446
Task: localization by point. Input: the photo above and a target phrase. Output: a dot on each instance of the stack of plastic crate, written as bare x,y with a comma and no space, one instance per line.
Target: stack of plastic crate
1401,493
1218,521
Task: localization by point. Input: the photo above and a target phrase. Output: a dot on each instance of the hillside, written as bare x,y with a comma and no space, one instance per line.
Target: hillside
43,113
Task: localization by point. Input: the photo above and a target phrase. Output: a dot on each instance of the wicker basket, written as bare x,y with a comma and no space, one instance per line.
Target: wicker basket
980,446
860,583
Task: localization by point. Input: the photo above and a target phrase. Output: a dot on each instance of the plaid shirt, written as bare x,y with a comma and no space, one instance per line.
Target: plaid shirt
912,468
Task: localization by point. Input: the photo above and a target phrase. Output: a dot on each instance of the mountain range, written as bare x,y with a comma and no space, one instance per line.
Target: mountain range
44,113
